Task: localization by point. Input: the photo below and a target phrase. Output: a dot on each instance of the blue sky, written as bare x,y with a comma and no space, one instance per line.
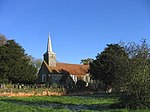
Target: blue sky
79,28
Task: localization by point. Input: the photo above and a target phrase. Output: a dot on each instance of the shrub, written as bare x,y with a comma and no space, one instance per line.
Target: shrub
81,84
136,83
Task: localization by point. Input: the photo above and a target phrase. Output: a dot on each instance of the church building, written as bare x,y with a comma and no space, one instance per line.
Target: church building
65,74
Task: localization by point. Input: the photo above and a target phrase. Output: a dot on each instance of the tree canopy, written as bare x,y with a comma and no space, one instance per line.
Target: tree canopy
127,69
35,62
3,40
14,64
86,61
108,64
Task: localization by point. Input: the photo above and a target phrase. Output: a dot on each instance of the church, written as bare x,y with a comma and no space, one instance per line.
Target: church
63,74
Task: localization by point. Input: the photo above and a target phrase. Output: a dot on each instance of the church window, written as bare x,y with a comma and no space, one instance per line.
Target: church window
44,78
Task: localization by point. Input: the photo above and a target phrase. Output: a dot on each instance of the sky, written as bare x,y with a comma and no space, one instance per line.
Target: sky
79,29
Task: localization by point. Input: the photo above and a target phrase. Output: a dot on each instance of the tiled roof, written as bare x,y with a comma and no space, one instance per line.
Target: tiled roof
72,69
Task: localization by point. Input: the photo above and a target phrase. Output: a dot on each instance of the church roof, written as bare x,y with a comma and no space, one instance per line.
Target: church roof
72,69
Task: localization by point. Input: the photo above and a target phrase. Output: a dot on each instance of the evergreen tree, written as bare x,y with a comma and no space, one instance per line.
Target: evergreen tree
14,64
109,65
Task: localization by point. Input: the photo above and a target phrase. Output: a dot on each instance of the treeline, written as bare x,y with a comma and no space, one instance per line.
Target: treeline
15,65
126,69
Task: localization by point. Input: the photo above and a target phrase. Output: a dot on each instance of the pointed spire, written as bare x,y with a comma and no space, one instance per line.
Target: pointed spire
49,45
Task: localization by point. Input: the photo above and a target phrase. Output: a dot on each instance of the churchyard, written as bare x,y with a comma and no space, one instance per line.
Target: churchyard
54,99
118,81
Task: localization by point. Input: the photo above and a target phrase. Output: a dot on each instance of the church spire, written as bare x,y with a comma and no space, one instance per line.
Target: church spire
50,56
49,44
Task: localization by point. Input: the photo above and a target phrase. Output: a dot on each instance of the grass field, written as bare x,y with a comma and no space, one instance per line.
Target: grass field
89,103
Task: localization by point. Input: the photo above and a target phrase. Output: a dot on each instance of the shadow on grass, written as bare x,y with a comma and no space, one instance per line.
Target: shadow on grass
102,95
58,105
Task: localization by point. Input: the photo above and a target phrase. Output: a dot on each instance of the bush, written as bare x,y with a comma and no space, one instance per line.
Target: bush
134,102
81,84
136,83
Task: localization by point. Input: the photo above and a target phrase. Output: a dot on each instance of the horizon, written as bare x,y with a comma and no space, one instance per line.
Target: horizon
78,29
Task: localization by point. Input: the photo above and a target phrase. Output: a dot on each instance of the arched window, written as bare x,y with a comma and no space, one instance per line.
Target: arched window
43,77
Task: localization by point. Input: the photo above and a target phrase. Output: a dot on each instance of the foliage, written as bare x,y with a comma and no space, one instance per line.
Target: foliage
35,62
14,66
86,61
136,82
3,40
109,64
81,84
127,69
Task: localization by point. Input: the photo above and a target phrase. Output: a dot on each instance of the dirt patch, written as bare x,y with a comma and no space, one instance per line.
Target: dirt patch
22,94
44,93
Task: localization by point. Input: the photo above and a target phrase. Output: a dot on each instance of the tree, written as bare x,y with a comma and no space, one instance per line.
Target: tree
3,40
14,64
86,61
136,82
108,65
35,62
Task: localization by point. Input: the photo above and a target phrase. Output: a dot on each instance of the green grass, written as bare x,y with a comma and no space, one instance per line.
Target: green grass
91,103
11,107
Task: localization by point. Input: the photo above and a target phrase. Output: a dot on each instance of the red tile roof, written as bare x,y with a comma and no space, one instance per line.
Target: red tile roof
72,69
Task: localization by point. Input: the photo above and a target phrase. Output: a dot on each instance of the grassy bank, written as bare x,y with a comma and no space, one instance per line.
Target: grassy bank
86,103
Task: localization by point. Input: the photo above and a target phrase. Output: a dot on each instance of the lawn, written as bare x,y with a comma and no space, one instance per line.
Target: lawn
88,103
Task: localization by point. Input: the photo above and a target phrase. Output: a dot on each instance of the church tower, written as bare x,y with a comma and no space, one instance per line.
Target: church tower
50,56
